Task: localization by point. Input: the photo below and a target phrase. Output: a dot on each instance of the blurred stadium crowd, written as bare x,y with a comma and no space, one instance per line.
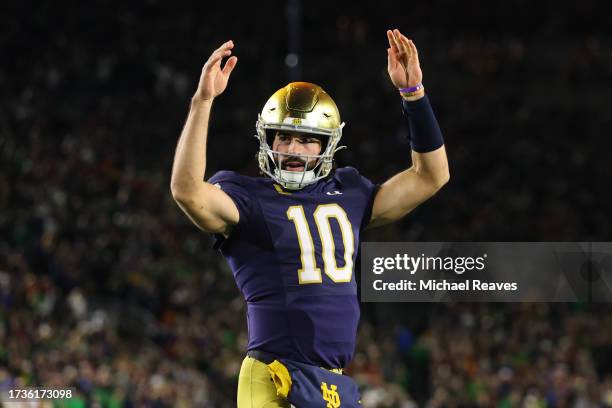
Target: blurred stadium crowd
107,287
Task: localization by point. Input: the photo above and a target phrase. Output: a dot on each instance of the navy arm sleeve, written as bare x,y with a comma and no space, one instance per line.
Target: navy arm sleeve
424,132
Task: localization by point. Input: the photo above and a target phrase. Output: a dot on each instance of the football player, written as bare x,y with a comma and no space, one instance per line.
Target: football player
291,237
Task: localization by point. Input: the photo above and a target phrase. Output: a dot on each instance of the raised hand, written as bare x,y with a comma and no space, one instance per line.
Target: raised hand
213,79
403,61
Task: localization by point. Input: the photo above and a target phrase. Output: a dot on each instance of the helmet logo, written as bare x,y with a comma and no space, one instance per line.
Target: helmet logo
299,107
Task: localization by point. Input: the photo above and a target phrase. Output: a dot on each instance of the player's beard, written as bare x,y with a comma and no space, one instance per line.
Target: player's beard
295,163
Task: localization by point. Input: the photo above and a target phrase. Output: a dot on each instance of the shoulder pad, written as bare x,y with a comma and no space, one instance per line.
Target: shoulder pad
227,176
348,173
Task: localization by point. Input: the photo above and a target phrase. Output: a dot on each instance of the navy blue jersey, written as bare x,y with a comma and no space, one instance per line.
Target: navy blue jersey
292,254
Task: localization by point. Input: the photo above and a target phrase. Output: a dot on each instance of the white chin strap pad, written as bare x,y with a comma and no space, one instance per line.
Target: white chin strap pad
294,180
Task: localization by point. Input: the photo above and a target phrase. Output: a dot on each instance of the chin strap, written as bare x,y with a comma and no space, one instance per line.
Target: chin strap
295,180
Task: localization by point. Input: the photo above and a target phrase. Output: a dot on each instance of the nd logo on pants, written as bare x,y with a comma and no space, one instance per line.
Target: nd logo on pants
282,383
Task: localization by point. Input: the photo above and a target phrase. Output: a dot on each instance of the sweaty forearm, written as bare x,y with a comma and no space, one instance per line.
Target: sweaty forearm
190,156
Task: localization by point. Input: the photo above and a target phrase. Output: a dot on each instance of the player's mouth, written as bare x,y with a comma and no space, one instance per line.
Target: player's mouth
293,165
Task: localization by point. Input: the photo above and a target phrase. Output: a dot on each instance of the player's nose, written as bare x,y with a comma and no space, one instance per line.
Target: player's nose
293,146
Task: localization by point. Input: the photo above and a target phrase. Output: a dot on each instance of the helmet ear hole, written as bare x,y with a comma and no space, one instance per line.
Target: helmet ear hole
270,135
324,142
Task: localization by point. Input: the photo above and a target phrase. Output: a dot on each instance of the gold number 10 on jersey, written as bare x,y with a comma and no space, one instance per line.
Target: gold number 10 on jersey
309,273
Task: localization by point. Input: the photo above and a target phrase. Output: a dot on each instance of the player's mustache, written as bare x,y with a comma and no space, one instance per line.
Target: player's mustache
297,159
293,159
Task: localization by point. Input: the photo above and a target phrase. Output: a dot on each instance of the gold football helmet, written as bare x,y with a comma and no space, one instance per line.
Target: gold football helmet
299,107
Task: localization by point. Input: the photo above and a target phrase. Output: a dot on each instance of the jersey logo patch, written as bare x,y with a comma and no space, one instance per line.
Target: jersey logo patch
335,192
330,395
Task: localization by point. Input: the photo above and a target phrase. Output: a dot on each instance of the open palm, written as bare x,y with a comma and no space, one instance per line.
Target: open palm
403,61
213,79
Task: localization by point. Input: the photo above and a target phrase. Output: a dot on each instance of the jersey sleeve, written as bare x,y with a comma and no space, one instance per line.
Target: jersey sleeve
367,188
236,188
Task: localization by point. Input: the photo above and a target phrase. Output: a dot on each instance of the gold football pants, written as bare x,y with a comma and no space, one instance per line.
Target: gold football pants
256,388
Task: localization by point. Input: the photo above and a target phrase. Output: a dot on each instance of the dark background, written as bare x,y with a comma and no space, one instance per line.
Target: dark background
105,284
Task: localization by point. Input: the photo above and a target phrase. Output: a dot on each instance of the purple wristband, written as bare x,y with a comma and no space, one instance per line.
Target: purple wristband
415,88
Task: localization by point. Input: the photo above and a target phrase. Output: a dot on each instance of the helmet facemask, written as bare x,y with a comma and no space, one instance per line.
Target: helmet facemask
303,108
316,166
